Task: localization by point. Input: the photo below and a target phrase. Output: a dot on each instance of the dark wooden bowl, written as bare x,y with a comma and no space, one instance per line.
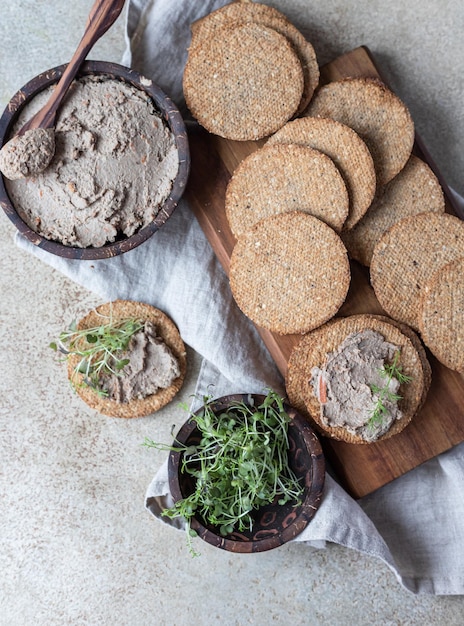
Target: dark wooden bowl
168,112
274,524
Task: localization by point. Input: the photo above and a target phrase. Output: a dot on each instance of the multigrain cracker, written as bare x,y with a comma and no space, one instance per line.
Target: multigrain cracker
312,351
378,116
414,190
245,12
289,273
441,318
244,83
166,329
406,257
281,178
346,149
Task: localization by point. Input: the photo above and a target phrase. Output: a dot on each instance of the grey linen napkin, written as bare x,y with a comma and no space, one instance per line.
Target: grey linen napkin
413,524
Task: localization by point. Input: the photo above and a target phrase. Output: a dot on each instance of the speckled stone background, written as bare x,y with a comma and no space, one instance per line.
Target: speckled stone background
77,546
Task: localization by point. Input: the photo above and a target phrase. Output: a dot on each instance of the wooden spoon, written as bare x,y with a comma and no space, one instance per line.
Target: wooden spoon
31,150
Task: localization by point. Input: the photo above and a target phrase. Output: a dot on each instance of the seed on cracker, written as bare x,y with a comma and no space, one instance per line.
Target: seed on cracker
414,190
244,12
312,351
281,178
289,273
379,117
406,257
441,319
244,83
346,149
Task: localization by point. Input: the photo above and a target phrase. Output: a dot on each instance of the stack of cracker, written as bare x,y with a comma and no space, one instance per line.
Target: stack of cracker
312,167
336,180
249,70
416,273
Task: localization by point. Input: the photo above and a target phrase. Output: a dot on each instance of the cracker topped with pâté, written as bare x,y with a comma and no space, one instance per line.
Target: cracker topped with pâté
125,358
360,379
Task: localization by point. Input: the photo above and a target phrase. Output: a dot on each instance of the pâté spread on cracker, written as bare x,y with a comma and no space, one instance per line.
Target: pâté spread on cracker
124,358
358,378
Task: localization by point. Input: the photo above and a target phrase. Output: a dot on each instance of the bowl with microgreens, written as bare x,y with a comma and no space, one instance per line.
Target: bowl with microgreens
246,473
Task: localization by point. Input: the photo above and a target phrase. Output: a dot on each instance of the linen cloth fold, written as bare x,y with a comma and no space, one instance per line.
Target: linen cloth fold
413,524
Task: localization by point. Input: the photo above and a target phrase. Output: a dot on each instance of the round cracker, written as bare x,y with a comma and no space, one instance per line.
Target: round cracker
312,351
407,255
414,190
346,149
281,178
208,26
441,319
166,329
244,83
289,273
379,117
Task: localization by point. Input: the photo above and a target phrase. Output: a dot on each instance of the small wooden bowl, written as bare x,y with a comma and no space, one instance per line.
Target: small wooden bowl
168,112
274,524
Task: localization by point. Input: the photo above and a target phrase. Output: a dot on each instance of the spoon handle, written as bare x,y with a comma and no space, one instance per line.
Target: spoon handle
102,15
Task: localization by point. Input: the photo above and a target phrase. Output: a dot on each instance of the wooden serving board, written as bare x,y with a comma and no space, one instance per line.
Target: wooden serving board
439,426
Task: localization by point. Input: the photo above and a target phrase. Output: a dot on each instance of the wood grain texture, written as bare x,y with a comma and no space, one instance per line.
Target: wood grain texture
440,423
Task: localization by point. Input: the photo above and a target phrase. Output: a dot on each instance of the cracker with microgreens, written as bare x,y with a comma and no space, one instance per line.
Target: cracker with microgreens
312,352
419,346
104,318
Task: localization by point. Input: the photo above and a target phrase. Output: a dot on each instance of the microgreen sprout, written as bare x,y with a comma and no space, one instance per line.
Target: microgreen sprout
384,394
239,465
100,349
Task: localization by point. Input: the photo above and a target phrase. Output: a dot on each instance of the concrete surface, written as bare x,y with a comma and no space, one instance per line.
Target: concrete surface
77,546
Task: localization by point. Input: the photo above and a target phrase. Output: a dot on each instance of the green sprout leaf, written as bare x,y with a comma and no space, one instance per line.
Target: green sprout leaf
101,350
384,394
